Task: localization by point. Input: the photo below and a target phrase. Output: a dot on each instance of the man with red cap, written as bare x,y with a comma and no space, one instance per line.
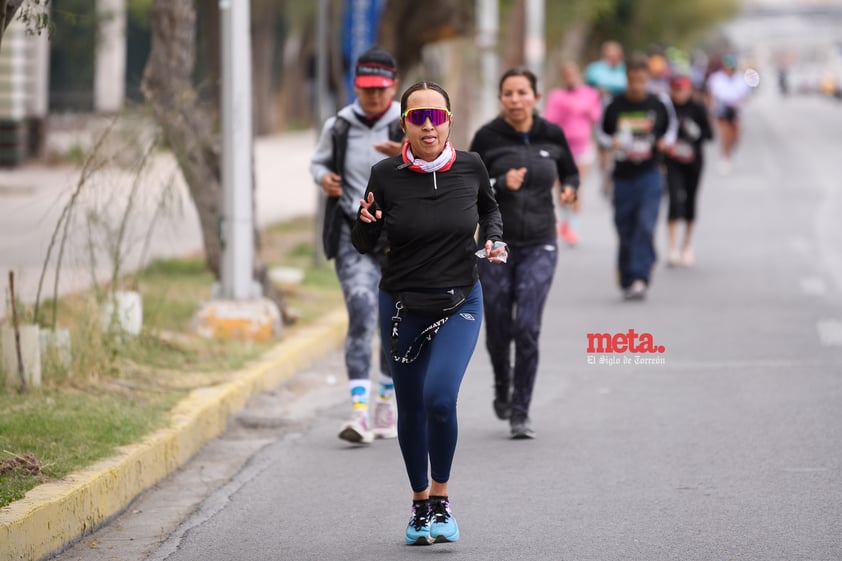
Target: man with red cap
357,137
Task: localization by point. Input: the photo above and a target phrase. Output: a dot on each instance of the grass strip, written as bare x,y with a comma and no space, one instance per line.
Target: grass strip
67,430
117,391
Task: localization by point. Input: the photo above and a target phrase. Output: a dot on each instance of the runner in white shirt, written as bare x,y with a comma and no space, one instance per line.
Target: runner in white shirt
728,90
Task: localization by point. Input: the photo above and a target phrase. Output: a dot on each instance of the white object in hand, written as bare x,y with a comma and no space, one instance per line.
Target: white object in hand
497,245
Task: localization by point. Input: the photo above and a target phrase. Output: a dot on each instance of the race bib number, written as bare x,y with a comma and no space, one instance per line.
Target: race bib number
683,152
640,149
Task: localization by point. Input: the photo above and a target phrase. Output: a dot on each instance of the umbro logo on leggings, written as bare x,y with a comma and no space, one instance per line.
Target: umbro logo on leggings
468,316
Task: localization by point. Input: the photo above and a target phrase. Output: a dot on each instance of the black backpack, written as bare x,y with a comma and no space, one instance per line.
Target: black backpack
334,216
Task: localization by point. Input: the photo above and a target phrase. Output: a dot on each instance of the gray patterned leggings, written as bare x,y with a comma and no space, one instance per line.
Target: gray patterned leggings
359,276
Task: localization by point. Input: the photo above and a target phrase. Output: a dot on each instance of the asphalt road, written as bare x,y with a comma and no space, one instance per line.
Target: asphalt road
729,450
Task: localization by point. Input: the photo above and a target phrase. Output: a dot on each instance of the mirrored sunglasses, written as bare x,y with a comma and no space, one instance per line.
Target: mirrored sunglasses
417,116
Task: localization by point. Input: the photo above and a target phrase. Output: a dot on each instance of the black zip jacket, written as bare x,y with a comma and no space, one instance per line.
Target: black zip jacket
430,220
528,213
693,129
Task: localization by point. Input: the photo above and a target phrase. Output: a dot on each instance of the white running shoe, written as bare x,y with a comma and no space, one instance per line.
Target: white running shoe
687,258
673,258
356,430
385,419
637,291
725,166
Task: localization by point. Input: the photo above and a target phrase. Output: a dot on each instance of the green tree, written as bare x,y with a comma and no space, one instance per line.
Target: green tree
73,55
639,24
575,29
139,10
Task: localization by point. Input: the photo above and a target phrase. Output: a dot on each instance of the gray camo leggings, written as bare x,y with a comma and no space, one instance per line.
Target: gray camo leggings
514,295
359,276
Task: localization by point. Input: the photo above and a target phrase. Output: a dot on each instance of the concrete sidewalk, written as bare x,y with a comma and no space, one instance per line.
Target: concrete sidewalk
32,198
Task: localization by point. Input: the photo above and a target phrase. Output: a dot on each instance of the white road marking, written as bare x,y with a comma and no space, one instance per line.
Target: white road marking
800,245
726,366
813,286
830,332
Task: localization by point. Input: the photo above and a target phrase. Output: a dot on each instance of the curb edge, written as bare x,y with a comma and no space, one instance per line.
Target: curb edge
55,514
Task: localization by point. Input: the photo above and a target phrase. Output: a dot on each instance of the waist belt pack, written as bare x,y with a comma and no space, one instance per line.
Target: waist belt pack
431,304
438,305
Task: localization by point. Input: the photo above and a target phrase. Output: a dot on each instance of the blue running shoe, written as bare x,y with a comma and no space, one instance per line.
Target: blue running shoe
443,527
418,529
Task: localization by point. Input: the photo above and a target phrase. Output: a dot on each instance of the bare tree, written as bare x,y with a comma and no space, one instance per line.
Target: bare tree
405,27
190,128
513,54
187,125
210,87
264,26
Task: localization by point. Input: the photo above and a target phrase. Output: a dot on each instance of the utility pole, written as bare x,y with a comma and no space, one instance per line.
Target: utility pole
321,113
535,44
110,67
487,23
237,310
238,221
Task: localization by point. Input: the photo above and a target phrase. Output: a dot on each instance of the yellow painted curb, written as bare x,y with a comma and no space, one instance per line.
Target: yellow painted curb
54,514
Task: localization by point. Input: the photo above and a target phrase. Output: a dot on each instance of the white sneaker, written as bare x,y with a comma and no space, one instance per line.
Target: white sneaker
725,166
637,291
356,430
687,258
385,419
673,258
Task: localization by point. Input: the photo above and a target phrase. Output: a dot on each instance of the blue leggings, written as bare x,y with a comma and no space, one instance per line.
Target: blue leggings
426,389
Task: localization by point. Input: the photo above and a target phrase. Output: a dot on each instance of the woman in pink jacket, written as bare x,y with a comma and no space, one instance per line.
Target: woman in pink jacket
576,108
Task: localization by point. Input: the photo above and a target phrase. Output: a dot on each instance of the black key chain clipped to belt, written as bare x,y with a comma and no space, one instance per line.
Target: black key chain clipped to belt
425,336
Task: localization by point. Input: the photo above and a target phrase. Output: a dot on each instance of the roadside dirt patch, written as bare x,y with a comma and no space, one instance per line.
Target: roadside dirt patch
28,464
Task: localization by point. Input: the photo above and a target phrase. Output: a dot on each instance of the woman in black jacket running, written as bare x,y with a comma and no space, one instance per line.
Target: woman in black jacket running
429,201
524,154
684,162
